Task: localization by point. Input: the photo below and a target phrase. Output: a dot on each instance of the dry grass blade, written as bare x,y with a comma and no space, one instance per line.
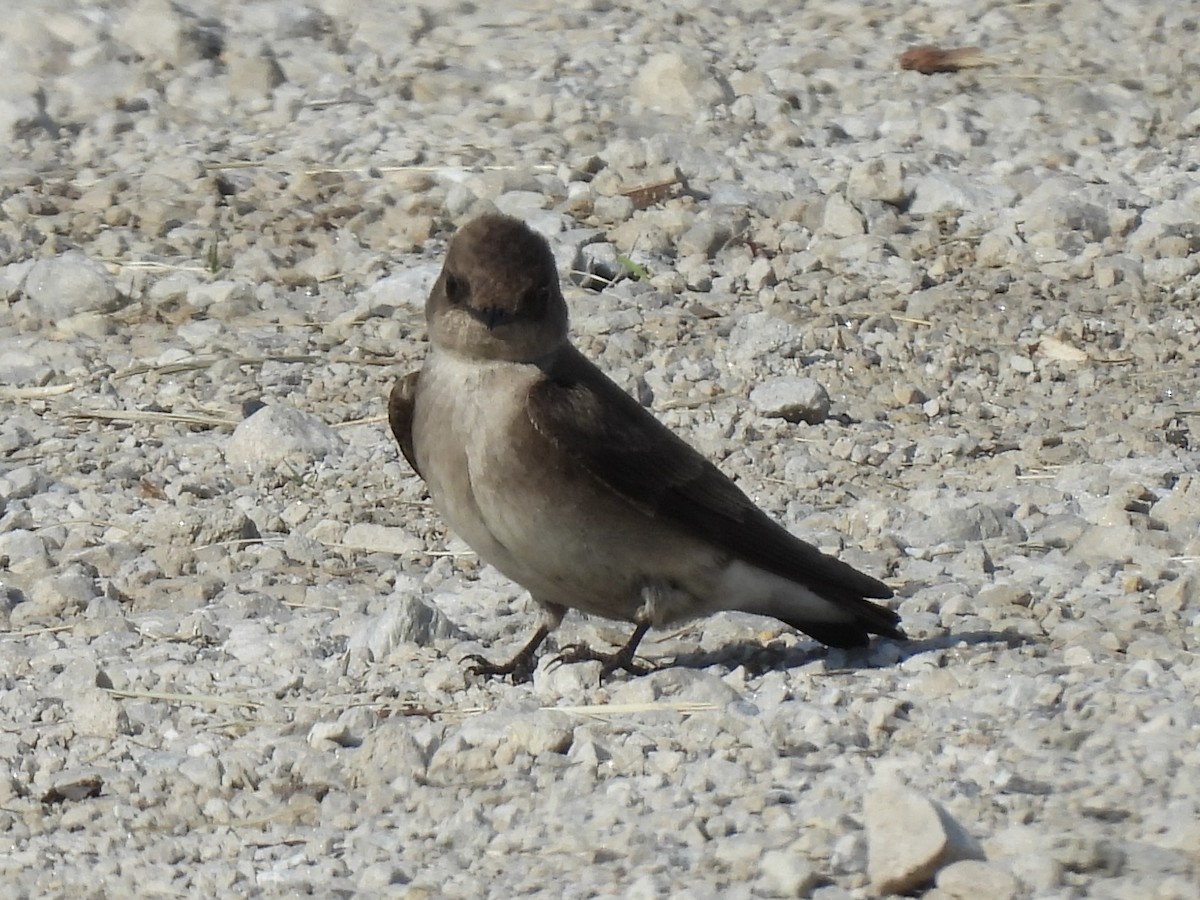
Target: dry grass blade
295,604
33,632
146,265
909,320
597,710
140,415
369,420
241,542
589,277
99,523
600,710
188,365
363,360
189,699
204,362
283,166
868,314
452,172
36,393
694,402
1038,76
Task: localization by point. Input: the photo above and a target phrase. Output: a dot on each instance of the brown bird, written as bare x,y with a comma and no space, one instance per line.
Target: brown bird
568,486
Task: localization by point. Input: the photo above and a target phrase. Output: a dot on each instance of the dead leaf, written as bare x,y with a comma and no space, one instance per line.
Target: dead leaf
1060,350
150,490
646,195
74,787
928,59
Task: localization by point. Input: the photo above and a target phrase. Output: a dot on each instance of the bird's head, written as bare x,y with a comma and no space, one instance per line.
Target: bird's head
497,296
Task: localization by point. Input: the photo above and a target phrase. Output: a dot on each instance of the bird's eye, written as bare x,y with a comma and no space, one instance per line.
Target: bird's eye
456,289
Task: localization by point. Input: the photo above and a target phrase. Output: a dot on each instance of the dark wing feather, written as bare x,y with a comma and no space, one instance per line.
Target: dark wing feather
626,448
400,415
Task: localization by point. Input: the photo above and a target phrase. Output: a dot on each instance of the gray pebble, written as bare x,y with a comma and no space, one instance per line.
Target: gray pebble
157,29
379,876
841,219
791,398
279,434
877,179
971,879
408,619
380,539
24,551
787,874
66,593
596,266
910,839
678,83
946,191
22,482
254,75
68,285
704,238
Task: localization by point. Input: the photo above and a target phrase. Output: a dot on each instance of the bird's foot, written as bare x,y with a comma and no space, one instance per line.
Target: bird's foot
609,662
520,668
621,660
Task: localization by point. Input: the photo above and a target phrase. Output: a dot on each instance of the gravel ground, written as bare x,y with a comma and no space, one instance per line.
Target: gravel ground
230,654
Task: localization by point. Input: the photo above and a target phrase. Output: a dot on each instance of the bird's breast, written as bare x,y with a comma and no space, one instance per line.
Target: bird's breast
464,409
516,498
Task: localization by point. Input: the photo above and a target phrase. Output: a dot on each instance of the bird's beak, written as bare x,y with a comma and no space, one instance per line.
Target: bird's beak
491,316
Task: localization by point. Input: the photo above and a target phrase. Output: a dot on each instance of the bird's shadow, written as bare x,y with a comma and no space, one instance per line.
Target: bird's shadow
757,659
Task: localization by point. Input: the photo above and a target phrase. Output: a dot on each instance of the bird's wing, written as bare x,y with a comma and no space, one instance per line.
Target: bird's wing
625,448
400,415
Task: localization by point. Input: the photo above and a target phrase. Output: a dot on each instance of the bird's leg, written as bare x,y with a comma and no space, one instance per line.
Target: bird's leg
611,662
520,667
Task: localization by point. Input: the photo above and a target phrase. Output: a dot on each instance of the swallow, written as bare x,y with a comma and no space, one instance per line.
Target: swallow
568,486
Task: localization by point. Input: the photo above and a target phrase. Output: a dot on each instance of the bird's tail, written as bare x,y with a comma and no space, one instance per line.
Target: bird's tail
834,611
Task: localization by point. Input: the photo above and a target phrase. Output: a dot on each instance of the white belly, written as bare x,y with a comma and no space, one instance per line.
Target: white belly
463,409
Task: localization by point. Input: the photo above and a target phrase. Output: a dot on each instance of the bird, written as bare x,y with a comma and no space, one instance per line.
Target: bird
568,486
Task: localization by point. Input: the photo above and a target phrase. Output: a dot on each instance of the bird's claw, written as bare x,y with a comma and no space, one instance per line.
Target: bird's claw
621,660
519,668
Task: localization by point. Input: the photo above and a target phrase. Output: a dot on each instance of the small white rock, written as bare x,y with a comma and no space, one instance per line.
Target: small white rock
910,838
23,551
972,879
787,874
68,285
877,179
841,218
792,398
380,875
323,734
380,539
280,433
408,619
678,84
